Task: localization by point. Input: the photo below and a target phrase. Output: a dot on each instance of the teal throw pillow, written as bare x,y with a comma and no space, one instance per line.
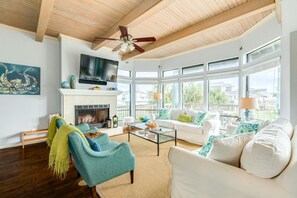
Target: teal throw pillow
199,118
94,145
163,114
184,118
208,145
60,122
245,127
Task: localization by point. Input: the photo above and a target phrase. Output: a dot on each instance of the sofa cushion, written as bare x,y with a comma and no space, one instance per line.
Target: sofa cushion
175,113
192,112
166,123
245,127
199,118
228,150
284,125
184,118
268,153
163,114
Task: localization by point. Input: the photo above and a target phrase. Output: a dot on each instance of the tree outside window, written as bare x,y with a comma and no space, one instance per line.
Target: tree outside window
170,95
193,95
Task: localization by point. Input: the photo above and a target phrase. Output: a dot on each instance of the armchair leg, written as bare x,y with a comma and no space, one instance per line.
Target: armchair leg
132,176
94,192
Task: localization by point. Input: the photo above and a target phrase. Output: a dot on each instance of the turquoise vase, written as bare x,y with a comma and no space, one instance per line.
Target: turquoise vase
65,85
72,82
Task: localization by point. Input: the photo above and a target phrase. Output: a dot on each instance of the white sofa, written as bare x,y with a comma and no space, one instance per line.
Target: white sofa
189,131
197,176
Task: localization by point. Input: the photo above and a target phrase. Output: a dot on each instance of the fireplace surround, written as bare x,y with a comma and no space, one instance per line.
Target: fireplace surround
94,115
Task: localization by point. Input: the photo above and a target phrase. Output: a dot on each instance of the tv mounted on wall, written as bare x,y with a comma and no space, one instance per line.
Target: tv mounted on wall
96,70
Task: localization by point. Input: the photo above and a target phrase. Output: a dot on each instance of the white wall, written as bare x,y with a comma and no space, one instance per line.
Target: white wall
71,49
25,112
289,60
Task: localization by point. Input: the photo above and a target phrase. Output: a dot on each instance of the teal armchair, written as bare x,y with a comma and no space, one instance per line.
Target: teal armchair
96,167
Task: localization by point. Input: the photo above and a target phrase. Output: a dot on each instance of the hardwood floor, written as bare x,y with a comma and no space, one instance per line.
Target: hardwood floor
25,173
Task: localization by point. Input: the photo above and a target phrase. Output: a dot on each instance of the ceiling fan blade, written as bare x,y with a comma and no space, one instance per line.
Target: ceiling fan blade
138,48
104,38
124,31
144,39
117,48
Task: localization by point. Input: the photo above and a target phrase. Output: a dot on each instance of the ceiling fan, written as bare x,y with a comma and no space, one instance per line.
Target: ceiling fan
127,41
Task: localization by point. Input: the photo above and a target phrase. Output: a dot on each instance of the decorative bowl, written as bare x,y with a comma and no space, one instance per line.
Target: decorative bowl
152,125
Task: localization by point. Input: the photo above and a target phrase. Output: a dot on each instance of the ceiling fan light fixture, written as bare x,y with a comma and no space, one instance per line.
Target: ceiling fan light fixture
124,47
131,46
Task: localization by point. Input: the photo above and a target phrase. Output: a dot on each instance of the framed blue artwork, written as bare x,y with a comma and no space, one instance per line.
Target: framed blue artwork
19,79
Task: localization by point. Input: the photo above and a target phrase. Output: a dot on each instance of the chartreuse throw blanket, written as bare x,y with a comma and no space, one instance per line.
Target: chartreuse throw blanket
52,129
59,154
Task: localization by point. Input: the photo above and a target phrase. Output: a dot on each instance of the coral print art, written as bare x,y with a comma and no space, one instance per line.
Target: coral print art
19,79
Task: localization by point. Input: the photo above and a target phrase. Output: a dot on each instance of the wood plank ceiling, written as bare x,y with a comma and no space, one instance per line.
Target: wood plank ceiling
163,19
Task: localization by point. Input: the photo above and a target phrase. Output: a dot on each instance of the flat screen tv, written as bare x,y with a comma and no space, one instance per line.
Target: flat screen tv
96,70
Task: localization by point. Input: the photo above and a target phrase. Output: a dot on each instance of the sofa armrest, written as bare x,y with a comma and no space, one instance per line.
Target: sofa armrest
211,127
196,176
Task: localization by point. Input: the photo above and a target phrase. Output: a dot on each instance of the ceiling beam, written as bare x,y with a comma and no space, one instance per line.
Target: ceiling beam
44,15
278,10
242,11
141,12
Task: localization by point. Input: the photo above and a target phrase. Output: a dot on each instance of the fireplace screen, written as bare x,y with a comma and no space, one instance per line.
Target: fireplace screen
94,115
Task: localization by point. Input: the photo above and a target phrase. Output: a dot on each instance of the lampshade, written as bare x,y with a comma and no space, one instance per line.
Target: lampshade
249,103
157,96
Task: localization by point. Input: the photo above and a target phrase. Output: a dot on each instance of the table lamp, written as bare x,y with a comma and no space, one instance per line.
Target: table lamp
248,104
156,96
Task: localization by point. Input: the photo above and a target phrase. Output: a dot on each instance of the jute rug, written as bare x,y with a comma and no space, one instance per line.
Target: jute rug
151,175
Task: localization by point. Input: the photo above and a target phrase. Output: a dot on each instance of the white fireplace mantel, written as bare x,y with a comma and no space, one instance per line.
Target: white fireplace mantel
72,97
87,92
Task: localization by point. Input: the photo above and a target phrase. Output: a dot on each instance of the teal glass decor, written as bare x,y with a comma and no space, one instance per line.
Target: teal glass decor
65,85
72,82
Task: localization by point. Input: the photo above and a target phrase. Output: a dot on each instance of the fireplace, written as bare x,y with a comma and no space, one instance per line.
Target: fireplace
94,115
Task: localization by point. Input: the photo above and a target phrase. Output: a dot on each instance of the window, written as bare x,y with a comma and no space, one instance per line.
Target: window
223,64
170,95
193,95
124,73
146,74
145,104
169,73
265,50
192,69
123,101
223,97
265,86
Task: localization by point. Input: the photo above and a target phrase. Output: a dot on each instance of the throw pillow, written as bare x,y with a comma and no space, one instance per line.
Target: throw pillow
163,114
228,150
200,117
184,118
175,113
245,127
208,145
94,145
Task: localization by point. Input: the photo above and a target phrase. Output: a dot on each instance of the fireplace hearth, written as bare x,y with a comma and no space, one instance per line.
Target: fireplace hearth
94,115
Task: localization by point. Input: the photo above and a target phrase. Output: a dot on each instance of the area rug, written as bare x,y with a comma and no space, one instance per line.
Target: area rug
152,173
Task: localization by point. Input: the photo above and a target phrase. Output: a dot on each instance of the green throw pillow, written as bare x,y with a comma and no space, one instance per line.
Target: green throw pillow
208,145
184,118
199,118
163,114
245,127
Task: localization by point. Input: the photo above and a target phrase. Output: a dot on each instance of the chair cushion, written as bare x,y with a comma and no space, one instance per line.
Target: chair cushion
267,154
83,127
199,118
228,150
163,114
94,145
166,123
60,122
184,118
